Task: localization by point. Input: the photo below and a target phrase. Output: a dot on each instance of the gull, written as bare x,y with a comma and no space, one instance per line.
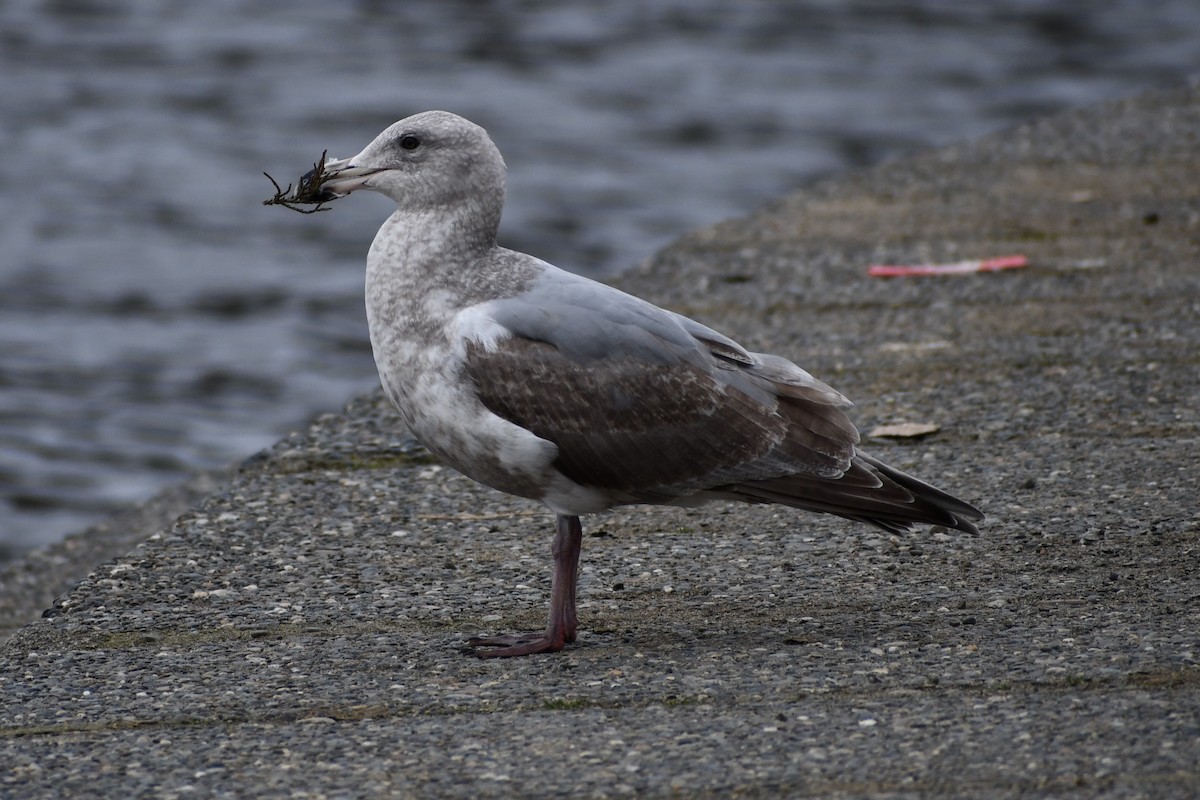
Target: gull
544,384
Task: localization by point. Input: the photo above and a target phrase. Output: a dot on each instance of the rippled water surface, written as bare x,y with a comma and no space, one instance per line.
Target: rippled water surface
155,318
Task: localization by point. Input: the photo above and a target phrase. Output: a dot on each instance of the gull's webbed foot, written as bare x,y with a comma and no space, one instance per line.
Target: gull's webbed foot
563,623
520,644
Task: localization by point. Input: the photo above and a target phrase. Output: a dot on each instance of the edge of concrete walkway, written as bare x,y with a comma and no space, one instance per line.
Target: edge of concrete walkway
298,630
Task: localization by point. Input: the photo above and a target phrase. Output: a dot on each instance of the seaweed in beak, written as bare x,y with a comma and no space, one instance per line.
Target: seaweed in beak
328,180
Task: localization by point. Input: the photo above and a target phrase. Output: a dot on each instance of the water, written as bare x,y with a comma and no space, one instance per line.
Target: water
155,318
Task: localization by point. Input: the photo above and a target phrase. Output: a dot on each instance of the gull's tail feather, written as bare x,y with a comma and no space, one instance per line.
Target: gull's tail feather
870,491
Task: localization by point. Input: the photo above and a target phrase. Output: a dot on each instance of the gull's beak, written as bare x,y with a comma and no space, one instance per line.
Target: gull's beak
337,179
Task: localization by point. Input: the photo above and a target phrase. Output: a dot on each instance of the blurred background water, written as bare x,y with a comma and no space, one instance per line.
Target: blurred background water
155,318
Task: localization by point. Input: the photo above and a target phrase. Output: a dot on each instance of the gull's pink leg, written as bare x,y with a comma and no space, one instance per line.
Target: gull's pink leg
563,621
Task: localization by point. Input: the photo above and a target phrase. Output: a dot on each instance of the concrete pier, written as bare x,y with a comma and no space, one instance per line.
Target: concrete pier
298,632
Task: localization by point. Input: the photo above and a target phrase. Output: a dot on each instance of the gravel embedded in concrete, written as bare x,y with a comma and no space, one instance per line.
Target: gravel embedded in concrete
299,632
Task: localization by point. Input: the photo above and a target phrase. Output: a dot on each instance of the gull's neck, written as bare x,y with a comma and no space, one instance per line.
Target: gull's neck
414,248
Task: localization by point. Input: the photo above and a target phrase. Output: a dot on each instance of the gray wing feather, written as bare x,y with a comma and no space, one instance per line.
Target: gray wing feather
649,404
588,321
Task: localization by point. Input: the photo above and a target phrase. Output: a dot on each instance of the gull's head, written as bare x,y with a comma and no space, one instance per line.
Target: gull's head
424,161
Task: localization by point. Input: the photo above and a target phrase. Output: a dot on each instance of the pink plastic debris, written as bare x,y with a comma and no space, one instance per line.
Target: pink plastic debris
959,268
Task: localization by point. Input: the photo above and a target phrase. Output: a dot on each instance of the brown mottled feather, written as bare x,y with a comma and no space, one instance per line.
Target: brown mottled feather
695,428
650,431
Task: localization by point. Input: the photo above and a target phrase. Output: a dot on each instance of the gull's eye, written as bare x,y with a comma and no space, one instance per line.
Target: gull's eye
410,142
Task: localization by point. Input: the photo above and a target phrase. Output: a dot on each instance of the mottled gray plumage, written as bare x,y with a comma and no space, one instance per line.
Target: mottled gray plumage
551,386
